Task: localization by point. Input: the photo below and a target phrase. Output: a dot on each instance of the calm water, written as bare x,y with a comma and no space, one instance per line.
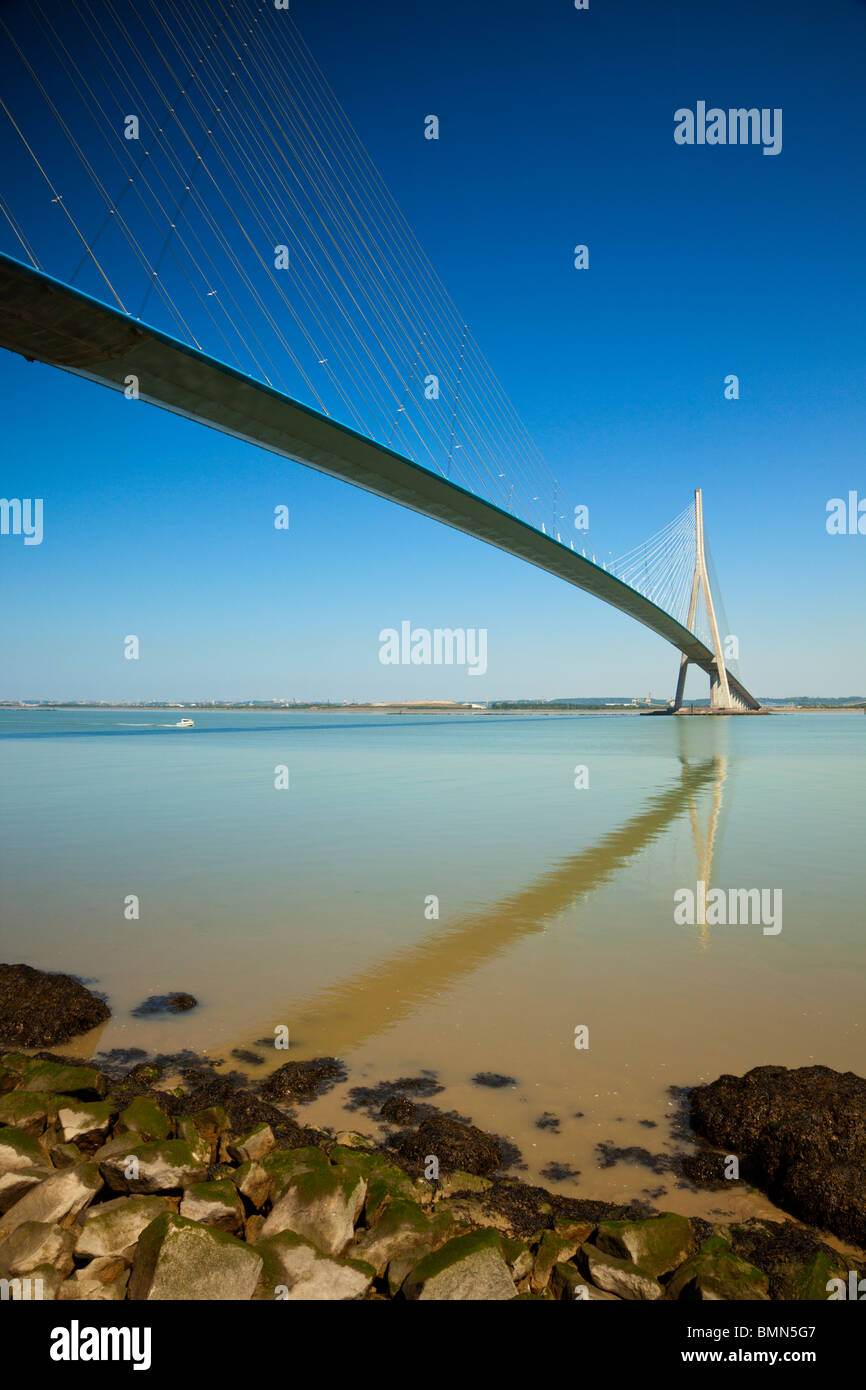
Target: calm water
310,907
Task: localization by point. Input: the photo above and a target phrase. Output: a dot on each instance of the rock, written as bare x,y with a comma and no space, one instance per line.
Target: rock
658,1244
254,1183
518,1257
253,1228
37,1243
65,1155
15,1183
58,1078
321,1206
801,1135
442,1228
351,1139
567,1282
30,1111
42,1285
302,1081
177,1259
385,1181
113,1228
797,1262
281,1165
212,1123
67,1192
402,1227
294,1270
253,1146
165,1004
807,1283
552,1250
469,1267
468,1210
105,1269
203,1150
493,1079
214,1204
621,1277
12,1066
143,1116
85,1122
39,1009
450,1184
244,1109
454,1144
716,1274
94,1290
166,1166
19,1150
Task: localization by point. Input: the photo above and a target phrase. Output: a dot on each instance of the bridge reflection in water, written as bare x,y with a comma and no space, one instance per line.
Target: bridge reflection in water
343,1016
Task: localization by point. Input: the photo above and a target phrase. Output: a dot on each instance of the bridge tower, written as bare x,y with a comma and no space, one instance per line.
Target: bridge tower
721,700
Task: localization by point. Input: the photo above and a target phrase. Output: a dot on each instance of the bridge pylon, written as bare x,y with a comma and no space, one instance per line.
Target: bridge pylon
721,699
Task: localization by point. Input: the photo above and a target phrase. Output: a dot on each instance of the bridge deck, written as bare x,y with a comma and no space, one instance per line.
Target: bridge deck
45,320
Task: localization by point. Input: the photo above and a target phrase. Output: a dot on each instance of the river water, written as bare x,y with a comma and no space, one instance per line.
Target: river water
456,894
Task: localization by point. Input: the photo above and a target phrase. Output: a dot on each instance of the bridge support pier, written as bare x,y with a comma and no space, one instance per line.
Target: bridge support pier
721,700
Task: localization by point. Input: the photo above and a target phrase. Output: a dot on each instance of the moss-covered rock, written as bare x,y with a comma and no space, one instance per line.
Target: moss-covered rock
203,1150
31,1110
111,1229
178,1259
401,1227
294,1270
468,1267
450,1184
143,1116
385,1181
253,1145
621,1277
716,1274
552,1249
214,1204
36,1243
57,1198
322,1206
18,1149
60,1079
807,1282
17,1182
12,1066
64,1155
84,1122
283,1164
253,1182
166,1166
659,1244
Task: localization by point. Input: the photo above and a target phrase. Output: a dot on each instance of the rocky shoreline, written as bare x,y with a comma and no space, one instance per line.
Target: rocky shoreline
117,1185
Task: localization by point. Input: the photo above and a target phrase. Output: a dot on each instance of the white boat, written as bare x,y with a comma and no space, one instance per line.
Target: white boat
185,724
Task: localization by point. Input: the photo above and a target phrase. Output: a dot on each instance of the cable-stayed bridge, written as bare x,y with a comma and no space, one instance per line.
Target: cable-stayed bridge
189,217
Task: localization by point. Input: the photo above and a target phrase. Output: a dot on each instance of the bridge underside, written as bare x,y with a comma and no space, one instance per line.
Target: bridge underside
46,321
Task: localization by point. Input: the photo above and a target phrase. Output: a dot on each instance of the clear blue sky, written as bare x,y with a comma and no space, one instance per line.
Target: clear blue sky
556,128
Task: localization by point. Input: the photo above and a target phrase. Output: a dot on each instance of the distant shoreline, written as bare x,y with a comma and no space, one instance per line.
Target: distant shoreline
423,707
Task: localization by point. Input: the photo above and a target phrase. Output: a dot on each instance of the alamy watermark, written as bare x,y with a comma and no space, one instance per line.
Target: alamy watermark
845,517
736,126
735,907
444,646
22,516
